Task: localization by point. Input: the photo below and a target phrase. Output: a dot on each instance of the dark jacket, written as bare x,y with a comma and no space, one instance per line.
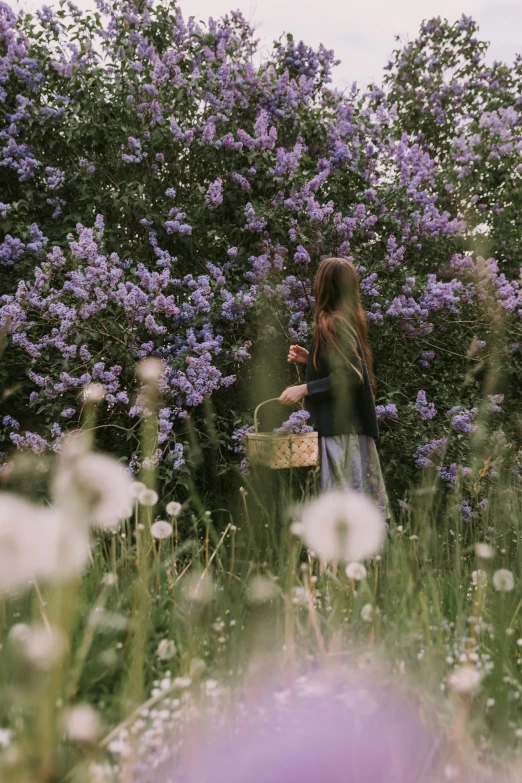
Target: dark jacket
338,400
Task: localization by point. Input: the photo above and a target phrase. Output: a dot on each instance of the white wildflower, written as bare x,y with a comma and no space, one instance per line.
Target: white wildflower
503,580
356,571
479,578
150,369
343,526
161,529
81,723
182,682
261,590
484,551
464,680
147,497
367,613
166,650
94,488
173,508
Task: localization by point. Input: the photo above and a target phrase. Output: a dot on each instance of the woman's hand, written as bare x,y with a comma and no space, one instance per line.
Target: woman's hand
294,394
297,354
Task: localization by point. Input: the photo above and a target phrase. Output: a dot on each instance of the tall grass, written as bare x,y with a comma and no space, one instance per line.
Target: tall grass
158,635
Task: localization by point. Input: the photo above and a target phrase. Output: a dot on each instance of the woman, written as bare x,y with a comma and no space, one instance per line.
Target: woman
339,387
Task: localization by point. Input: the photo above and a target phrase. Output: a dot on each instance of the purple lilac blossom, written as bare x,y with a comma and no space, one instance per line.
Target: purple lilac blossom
495,402
426,410
295,424
424,453
462,419
214,194
386,411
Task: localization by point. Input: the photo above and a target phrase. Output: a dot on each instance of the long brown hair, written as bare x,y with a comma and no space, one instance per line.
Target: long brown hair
337,296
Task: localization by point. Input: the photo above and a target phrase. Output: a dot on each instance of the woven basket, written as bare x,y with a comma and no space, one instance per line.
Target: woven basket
281,451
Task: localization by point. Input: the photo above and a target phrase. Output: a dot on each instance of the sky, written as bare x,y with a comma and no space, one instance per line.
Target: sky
361,32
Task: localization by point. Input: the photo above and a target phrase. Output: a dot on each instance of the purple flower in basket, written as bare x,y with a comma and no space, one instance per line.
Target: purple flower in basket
295,424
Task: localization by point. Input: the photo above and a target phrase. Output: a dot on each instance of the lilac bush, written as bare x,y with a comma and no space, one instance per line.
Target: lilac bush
164,196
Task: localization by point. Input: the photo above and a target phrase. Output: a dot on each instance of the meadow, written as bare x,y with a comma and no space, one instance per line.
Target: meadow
164,204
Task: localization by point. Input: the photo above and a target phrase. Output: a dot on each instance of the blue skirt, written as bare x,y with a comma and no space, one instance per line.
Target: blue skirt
352,462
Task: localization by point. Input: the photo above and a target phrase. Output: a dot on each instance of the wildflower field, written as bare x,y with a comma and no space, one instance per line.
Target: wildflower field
165,199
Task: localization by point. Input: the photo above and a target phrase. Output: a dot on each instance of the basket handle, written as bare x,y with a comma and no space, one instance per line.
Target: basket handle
272,399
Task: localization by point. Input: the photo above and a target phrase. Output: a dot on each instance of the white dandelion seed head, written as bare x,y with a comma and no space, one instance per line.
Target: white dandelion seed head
173,508
94,392
81,723
18,633
367,613
261,590
42,647
137,487
479,578
147,497
484,551
503,580
344,526
95,487
166,650
356,571
161,529
38,542
464,679
199,588
150,369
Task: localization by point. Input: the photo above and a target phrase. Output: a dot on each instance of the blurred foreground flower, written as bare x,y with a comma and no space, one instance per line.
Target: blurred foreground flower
198,588
465,680
94,488
166,650
81,723
40,646
484,551
344,526
38,542
356,571
317,728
